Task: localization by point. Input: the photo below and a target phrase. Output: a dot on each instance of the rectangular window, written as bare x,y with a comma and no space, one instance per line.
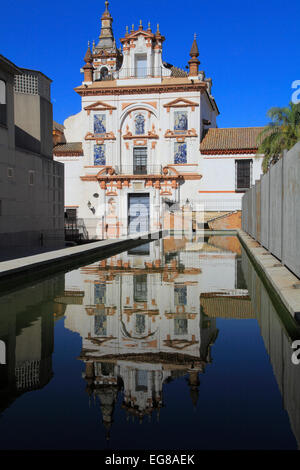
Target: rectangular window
141,380
180,153
180,326
180,295
140,288
3,116
10,172
99,154
141,66
243,172
140,160
71,215
140,323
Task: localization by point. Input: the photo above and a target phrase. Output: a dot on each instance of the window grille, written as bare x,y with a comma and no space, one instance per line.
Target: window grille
243,174
26,84
27,374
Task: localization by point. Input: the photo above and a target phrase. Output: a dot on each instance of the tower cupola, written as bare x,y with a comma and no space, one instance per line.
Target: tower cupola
194,61
106,38
107,58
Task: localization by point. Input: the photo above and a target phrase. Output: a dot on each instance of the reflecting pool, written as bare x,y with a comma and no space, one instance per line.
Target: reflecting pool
174,344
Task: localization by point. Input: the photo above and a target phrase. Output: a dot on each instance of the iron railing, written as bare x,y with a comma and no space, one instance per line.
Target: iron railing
143,72
147,72
75,230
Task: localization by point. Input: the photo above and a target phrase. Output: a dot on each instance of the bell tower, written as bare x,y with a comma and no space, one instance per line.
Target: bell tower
107,58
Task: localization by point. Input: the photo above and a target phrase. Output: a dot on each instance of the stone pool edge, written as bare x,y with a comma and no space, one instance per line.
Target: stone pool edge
28,264
281,280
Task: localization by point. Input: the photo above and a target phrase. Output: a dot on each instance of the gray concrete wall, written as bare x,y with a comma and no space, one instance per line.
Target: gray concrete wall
275,227
272,210
250,211
258,210
253,206
27,121
265,201
31,212
291,210
46,128
245,212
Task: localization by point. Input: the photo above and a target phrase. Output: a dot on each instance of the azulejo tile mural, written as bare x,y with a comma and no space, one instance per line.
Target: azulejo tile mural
99,293
99,124
180,152
100,326
139,124
180,121
99,154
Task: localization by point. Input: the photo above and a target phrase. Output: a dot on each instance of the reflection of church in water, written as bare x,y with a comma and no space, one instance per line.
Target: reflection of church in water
141,322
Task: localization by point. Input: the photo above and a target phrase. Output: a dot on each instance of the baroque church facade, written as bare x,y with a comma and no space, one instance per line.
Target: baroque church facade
145,145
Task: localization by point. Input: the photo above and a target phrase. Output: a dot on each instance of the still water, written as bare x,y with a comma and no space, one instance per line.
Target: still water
175,344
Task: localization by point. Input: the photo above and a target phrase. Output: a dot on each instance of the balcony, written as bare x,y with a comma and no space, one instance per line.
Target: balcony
139,170
143,72
137,72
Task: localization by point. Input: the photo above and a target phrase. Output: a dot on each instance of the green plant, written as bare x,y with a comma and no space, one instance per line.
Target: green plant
282,133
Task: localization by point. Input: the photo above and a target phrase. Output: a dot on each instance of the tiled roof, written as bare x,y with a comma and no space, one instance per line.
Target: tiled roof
215,305
177,72
230,140
72,149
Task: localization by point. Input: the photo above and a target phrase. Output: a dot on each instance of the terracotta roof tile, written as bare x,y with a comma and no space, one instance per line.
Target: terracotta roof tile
72,149
230,140
219,306
177,72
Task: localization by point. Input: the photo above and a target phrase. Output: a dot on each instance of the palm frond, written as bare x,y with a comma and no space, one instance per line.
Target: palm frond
281,133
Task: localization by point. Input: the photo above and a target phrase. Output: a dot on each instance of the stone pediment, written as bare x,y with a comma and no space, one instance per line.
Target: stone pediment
141,33
100,138
180,103
99,106
136,34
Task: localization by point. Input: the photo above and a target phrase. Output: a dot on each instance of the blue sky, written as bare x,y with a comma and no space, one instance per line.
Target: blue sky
249,48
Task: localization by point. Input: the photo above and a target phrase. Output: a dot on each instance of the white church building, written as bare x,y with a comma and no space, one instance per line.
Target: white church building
146,141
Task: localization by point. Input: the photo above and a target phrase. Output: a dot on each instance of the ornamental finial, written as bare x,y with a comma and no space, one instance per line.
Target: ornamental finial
106,5
88,56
